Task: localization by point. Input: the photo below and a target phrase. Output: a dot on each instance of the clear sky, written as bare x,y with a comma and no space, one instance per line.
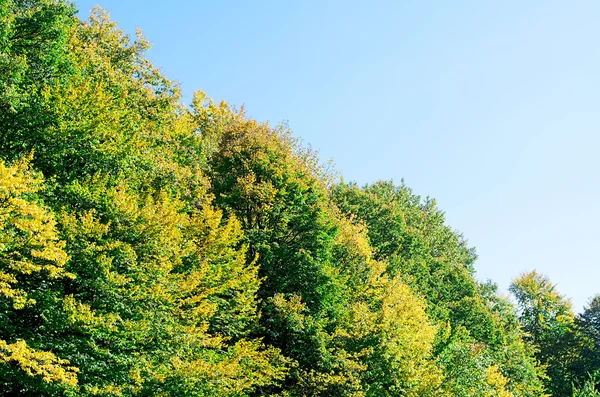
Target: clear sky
491,107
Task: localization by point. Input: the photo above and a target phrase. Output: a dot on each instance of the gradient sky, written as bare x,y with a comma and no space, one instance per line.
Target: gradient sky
491,107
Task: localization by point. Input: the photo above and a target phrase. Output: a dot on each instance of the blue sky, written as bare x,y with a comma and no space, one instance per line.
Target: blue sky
490,107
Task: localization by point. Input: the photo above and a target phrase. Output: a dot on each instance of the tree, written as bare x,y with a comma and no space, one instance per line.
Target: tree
470,370
587,334
33,56
32,262
163,301
547,319
589,387
327,303
156,296
147,248
410,235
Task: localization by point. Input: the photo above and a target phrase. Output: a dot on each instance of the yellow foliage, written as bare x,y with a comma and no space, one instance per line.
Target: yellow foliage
387,320
243,361
29,242
38,363
498,382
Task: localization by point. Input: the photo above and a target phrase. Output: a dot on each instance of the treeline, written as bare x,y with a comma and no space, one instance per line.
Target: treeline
148,248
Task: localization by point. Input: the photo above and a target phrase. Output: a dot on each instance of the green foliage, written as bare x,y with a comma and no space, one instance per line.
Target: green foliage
410,235
149,249
326,303
548,321
589,388
192,303
544,313
129,281
387,325
587,336
32,263
470,371
33,55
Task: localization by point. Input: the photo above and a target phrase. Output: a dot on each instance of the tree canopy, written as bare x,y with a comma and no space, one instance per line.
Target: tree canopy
148,248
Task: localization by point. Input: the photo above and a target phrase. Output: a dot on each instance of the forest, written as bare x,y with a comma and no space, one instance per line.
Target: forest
151,248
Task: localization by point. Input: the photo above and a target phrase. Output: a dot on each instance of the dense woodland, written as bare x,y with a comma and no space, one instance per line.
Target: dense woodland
149,248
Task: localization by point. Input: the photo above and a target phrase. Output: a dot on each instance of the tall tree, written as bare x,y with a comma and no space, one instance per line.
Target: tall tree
156,296
327,303
33,55
587,329
548,321
32,264
410,235
150,249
